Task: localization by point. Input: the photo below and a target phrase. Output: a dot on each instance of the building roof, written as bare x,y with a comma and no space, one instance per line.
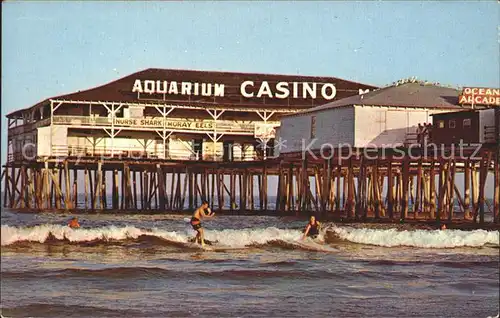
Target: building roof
412,94
121,90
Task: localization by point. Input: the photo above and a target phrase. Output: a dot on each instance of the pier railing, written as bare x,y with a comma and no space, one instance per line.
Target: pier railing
14,131
61,151
155,123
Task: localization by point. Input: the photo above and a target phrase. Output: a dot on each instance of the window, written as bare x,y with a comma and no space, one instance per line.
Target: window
313,126
466,122
452,124
441,124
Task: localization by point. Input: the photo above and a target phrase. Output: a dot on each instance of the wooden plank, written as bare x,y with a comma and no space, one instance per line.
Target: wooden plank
172,192
418,196
375,184
212,190
67,197
337,203
443,186
196,186
204,182
277,205
363,188
390,187
496,190
24,188
432,185
13,187
264,184
219,190
114,191
6,188
91,187
318,190
58,193
161,186
98,185
289,189
31,188
243,190
75,188
154,190
485,162
134,183
141,187
103,190
298,183
459,197
252,205
190,185
178,195
451,190
467,177
86,185
302,183
350,190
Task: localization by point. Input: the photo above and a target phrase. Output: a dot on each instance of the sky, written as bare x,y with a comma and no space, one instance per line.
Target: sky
53,48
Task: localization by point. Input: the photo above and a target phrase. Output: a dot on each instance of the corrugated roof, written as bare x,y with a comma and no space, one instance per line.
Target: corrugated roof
403,95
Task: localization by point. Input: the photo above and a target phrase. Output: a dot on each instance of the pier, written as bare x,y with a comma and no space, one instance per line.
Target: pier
117,148
341,187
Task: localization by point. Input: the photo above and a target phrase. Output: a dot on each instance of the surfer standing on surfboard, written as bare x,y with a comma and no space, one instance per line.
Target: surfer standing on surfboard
312,228
202,212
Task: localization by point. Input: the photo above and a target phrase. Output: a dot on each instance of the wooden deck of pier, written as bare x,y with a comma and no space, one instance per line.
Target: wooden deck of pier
357,187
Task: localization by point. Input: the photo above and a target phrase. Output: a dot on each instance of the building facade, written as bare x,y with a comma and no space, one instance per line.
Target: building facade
386,117
170,114
468,127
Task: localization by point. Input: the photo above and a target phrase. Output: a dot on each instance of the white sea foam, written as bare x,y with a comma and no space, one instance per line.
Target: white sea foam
418,238
250,236
230,238
40,233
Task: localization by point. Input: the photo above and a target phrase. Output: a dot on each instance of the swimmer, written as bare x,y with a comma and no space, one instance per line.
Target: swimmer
202,212
443,227
74,223
312,228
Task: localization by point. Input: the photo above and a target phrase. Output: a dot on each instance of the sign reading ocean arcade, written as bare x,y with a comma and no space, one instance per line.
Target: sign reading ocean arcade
247,89
480,96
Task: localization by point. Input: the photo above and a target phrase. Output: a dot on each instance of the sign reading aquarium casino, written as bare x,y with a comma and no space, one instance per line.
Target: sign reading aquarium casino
247,89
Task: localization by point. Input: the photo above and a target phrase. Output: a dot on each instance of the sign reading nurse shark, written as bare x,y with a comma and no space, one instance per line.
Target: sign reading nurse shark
158,123
480,96
248,89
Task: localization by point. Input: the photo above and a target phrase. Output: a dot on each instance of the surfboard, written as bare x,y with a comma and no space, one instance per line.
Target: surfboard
207,242
198,246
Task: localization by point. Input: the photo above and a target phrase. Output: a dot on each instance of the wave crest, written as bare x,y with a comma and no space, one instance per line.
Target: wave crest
244,238
418,238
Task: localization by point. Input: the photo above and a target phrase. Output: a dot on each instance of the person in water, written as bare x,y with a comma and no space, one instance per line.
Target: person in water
74,223
312,228
202,212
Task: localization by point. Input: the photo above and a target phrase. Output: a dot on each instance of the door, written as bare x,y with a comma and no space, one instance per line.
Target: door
198,148
228,154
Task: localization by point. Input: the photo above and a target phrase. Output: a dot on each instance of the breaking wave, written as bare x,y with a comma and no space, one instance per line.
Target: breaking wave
49,233
250,237
418,238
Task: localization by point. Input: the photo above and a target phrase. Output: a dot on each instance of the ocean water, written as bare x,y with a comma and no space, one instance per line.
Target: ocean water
143,266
